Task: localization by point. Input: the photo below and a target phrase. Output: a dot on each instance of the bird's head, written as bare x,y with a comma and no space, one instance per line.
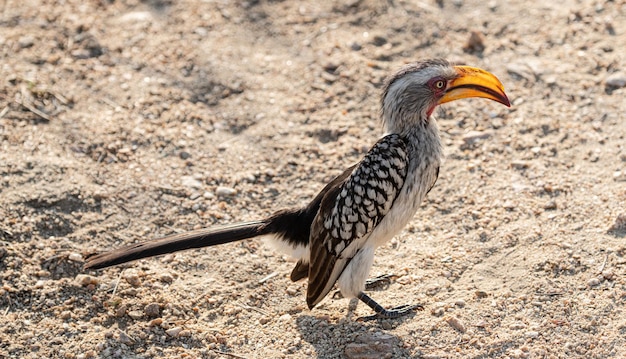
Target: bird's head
413,92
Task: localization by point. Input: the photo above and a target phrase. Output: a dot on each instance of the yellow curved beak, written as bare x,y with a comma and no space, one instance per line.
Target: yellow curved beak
475,82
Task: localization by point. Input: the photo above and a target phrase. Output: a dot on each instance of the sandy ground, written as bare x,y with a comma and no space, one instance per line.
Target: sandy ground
126,120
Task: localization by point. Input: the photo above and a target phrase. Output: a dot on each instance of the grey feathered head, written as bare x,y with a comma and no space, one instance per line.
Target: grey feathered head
411,94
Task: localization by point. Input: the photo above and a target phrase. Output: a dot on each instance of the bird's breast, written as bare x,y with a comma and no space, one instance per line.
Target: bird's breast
425,155
413,192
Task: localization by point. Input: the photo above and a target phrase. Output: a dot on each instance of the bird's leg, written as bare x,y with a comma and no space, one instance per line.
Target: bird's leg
371,284
381,312
352,307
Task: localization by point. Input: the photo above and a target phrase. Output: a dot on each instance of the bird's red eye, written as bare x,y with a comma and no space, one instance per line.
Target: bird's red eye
438,84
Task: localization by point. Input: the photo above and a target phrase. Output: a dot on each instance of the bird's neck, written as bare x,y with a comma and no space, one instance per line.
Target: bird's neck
403,121
423,141
416,127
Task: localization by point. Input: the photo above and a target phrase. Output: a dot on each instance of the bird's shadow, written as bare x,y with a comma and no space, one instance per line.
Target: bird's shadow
352,338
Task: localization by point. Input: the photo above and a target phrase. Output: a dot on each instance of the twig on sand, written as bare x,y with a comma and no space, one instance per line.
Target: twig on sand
34,110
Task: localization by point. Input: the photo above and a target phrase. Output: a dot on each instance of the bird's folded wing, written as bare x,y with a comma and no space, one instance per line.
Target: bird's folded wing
349,213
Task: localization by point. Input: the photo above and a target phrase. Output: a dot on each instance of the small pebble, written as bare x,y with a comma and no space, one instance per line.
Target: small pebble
619,176
132,277
284,317
121,310
517,326
438,312
330,66
190,182
379,40
152,310
518,354
26,41
232,310
619,224
475,43
166,278
616,80
355,46
222,191
520,165
459,303
532,334
136,17
608,274
455,323
509,205
482,324
85,279
135,314
328,77
593,282
174,332
550,205
292,291
124,338
75,257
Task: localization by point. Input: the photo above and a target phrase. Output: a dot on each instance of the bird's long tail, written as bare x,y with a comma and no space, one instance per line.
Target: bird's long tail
178,242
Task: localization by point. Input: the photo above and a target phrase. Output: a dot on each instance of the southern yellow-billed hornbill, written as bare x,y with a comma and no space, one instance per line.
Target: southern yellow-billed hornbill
335,236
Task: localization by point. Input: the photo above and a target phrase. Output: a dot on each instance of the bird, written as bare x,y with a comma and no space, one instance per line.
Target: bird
334,237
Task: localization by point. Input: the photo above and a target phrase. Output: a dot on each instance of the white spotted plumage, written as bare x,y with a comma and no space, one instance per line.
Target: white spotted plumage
375,202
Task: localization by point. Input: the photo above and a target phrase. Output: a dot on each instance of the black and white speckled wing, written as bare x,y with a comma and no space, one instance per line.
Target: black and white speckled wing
349,213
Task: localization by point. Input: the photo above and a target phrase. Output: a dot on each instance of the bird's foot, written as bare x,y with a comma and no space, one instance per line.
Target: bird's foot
395,312
382,313
383,279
